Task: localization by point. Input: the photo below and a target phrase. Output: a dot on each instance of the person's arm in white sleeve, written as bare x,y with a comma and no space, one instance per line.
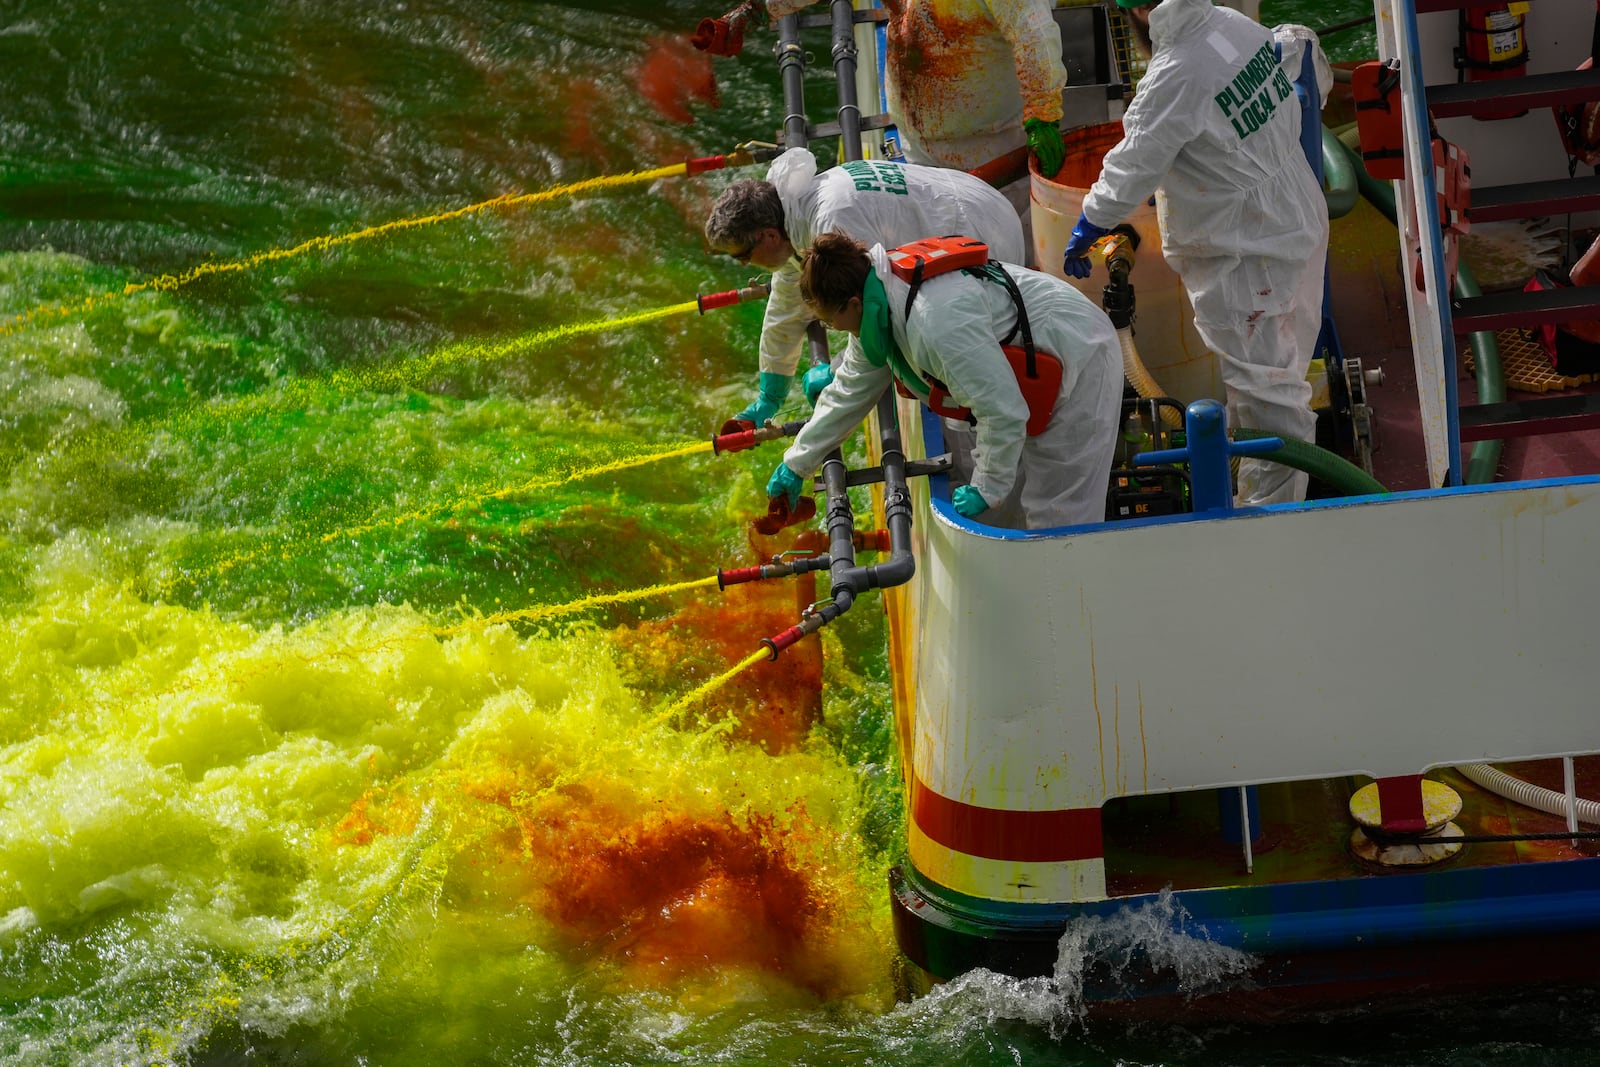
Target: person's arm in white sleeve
953,337
1158,124
1035,41
847,400
783,329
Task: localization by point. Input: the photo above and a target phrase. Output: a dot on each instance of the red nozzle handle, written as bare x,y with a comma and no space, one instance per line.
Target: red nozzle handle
778,642
711,301
733,442
737,576
705,163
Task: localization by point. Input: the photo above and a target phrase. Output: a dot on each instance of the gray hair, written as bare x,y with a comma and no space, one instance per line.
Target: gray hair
744,209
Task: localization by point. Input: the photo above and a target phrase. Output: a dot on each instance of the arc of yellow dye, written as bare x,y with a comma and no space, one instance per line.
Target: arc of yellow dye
477,496
170,282
299,392
298,545
688,700
412,371
542,611
551,611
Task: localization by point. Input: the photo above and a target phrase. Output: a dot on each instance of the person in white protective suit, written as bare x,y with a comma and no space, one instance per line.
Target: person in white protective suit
769,223
967,81
953,336
1215,124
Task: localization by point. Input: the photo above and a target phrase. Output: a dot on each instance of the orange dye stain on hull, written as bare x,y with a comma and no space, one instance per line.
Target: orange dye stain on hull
673,76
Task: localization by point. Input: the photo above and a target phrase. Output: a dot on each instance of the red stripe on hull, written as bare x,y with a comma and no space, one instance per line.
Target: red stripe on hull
1002,834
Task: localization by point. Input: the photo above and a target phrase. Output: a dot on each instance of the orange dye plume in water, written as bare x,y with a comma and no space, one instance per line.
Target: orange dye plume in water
673,75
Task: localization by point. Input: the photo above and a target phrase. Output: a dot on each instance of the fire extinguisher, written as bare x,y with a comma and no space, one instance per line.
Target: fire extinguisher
1493,44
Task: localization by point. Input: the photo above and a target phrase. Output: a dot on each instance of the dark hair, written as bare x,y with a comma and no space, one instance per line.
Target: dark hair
744,209
834,269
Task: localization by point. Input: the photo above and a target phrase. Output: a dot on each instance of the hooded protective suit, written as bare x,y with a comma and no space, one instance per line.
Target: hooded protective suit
876,203
954,333
1216,125
961,76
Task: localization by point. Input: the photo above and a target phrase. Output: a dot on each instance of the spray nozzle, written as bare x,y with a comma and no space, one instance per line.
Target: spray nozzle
1117,297
744,155
1118,247
740,434
801,563
811,621
724,36
754,291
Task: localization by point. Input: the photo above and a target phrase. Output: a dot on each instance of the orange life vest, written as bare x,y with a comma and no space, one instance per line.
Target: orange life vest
1038,373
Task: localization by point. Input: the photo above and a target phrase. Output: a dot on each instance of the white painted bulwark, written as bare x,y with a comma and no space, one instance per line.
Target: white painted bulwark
1380,637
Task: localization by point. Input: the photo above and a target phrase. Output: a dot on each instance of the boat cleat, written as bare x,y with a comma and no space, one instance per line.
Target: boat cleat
1440,804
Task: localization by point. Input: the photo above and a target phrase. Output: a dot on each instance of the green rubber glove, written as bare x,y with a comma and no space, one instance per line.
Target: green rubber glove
1045,140
774,388
785,482
968,501
816,380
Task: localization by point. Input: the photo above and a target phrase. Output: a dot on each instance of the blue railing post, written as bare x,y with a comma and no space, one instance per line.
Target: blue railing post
1208,451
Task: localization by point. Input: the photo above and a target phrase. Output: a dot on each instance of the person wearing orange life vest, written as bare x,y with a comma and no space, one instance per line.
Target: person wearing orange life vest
968,81
1215,126
953,335
769,223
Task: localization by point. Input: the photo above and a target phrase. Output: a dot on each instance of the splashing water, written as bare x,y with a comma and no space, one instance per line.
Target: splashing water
1126,949
407,794
324,812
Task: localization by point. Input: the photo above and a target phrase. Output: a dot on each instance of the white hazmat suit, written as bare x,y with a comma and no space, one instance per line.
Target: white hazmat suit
953,333
1216,125
961,76
876,203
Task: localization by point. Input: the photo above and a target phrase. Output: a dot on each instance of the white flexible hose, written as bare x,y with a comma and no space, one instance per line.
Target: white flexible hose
1526,793
1139,377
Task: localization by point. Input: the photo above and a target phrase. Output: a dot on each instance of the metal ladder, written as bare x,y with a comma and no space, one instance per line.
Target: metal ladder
1435,323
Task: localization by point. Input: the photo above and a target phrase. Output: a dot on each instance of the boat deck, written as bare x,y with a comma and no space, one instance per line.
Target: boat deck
1369,312
1175,840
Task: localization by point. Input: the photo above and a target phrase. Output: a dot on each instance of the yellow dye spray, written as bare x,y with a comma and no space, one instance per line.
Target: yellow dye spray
689,700
301,394
170,282
299,542
552,611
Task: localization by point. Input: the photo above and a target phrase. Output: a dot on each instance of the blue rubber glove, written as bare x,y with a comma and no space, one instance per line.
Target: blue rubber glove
816,380
1045,140
1076,259
969,502
774,387
785,482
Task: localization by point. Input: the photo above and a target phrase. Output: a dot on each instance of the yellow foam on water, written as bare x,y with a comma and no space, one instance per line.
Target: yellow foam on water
313,807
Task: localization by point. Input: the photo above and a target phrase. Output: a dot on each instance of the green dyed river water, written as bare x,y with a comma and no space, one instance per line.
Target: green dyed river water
352,575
